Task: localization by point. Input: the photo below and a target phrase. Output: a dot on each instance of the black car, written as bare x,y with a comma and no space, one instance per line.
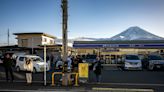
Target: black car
151,62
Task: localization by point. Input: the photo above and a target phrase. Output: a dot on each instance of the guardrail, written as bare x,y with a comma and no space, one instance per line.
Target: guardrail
56,73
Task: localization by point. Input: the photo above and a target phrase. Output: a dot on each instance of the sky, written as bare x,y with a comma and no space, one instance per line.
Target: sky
86,18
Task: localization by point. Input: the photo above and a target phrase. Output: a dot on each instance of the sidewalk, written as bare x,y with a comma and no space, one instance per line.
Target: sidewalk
19,86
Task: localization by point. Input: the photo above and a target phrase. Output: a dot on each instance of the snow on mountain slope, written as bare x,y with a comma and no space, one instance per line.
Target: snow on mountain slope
132,33
135,33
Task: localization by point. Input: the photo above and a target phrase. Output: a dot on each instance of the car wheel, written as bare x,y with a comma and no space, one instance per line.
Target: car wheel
18,69
34,70
151,67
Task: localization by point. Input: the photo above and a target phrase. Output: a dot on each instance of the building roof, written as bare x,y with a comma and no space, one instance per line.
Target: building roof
12,47
30,33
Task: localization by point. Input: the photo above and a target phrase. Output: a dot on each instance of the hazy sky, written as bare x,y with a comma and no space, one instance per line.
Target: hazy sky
87,18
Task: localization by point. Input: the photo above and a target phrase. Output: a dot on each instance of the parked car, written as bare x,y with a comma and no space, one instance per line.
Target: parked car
153,61
90,58
38,63
1,62
131,62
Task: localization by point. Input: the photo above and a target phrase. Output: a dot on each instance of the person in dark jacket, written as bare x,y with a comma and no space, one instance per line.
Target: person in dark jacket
8,67
97,69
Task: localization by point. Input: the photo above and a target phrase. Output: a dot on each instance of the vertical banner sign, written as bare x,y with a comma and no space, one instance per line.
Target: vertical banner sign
83,70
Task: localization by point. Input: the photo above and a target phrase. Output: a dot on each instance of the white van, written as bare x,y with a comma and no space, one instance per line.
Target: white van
38,63
132,62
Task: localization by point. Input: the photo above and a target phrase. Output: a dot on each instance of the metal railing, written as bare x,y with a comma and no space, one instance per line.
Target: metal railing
69,81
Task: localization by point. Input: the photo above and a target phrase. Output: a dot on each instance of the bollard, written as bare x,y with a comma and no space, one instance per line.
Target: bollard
76,81
53,80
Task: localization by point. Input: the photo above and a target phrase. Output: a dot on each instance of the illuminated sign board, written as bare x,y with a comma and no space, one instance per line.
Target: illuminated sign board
118,45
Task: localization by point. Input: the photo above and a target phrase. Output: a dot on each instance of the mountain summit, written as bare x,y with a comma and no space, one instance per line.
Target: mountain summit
136,33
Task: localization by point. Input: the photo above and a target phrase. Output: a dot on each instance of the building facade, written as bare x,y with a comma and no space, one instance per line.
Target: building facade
112,50
33,40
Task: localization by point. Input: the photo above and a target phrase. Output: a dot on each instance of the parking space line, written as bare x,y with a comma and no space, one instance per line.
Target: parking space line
131,84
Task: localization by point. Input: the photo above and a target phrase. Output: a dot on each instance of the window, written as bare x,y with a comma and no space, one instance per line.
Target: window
24,42
21,59
155,57
36,59
132,57
45,39
51,41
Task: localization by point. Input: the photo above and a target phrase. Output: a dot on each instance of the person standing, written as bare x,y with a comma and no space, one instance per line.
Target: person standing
97,69
28,66
79,59
69,63
75,65
8,67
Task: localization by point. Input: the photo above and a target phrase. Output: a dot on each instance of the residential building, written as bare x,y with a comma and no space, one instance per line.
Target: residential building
34,39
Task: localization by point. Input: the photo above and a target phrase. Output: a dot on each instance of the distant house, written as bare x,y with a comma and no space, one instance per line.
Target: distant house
34,39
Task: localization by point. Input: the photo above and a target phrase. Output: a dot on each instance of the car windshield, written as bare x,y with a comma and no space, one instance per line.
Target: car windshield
132,57
36,59
91,57
155,57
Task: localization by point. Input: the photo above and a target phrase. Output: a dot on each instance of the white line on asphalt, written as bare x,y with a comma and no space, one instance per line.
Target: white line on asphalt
122,89
131,84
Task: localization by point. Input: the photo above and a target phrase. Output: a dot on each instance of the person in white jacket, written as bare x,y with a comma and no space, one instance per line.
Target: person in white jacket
28,66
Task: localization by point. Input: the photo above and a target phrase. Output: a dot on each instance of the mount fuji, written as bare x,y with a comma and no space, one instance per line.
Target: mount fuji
135,33
132,33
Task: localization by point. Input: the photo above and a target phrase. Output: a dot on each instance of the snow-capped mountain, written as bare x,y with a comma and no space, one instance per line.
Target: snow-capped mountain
132,33
70,41
135,33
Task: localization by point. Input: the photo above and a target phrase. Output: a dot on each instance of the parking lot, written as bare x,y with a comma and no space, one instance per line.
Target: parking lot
110,74
111,77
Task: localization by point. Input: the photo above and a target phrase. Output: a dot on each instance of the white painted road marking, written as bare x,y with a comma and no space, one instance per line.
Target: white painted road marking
122,89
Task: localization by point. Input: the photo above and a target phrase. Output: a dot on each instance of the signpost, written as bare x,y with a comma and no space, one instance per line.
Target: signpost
45,65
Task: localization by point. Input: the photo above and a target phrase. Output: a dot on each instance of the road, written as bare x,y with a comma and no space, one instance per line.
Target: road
110,78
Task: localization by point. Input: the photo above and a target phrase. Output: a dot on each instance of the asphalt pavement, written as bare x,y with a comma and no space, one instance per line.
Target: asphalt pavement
111,78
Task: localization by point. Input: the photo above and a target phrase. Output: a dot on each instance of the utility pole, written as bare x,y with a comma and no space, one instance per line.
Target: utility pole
64,7
8,35
65,76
